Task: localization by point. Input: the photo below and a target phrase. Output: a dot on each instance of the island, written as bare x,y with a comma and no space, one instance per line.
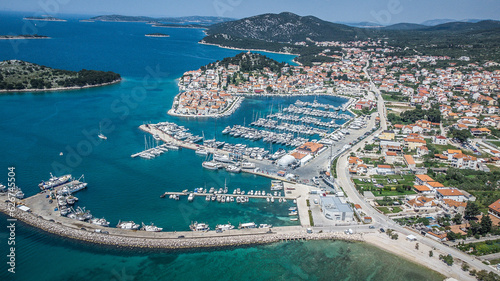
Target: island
47,18
17,76
157,35
171,25
23,36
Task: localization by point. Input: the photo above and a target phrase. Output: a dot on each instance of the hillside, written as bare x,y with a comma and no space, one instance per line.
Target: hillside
249,62
285,28
20,75
281,32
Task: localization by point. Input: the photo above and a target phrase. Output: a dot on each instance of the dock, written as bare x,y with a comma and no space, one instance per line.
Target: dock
229,194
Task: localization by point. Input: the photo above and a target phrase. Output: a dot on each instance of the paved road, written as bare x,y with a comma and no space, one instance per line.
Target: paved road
379,219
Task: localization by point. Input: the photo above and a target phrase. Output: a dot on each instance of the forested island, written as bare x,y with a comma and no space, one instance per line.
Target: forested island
17,75
43,18
157,35
23,36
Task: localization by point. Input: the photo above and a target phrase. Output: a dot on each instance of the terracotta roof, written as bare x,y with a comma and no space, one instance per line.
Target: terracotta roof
391,153
450,192
495,206
384,166
421,188
424,178
409,160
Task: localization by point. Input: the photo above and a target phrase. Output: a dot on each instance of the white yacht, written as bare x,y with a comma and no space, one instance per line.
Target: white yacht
54,181
199,227
191,197
211,165
233,169
151,227
201,151
130,225
224,227
100,222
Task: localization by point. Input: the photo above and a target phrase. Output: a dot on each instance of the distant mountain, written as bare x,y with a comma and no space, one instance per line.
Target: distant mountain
363,24
286,28
202,20
442,21
405,26
466,26
437,21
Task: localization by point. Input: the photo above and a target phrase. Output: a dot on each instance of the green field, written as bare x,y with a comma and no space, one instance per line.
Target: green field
402,180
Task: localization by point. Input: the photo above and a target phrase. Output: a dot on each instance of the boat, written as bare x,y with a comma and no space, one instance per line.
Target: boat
71,200
64,211
3,188
233,169
151,227
265,225
191,197
100,222
224,227
202,151
292,209
293,213
172,147
54,181
294,219
247,225
276,185
222,158
130,225
100,135
211,165
199,227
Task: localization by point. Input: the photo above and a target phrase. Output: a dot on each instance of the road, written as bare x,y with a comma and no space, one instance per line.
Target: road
379,219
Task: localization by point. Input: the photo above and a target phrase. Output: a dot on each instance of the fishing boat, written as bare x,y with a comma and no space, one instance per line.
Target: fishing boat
54,181
191,197
233,169
130,225
199,227
151,227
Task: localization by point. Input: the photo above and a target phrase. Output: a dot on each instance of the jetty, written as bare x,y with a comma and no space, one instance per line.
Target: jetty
204,194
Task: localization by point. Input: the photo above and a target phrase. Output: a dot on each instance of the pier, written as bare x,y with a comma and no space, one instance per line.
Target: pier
229,195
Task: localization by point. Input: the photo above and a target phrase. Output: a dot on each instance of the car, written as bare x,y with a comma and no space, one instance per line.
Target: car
382,230
371,227
316,201
180,236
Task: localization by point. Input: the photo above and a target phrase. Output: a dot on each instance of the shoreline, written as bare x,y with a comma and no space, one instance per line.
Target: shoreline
61,88
255,50
173,243
23,38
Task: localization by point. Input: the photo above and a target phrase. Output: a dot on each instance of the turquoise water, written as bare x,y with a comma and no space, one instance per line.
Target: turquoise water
36,127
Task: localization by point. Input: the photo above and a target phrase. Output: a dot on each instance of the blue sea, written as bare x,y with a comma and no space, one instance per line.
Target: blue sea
36,127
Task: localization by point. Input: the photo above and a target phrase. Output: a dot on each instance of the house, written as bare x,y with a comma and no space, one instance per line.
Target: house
494,209
385,170
409,161
427,181
421,203
387,135
390,156
310,148
422,150
450,193
451,206
390,146
440,140
463,161
423,189
437,237
413,143
480,131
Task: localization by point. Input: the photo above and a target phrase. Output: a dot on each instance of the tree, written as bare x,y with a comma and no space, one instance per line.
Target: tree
431,253
486,224
460,135
471,210
457,219
269,89
447,259
465,266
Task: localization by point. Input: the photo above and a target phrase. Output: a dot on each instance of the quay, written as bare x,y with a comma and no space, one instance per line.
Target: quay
229,195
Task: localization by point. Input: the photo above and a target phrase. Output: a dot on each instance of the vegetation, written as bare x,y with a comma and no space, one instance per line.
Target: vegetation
20,75
311,221
249,62
411,116
460,135
481,248
447,259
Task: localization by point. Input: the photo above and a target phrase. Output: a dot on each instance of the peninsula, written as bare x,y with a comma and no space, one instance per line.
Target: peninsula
17,75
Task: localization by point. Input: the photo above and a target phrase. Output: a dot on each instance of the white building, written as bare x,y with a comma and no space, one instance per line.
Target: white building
337,209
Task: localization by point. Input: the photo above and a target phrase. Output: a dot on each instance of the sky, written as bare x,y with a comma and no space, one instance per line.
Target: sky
378,11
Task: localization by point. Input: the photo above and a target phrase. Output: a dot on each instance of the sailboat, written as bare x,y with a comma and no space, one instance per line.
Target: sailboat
100,135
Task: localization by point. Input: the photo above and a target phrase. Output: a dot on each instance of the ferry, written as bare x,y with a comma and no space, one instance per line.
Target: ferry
247,225
54,181
199,227
130,225
100,222
151,227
